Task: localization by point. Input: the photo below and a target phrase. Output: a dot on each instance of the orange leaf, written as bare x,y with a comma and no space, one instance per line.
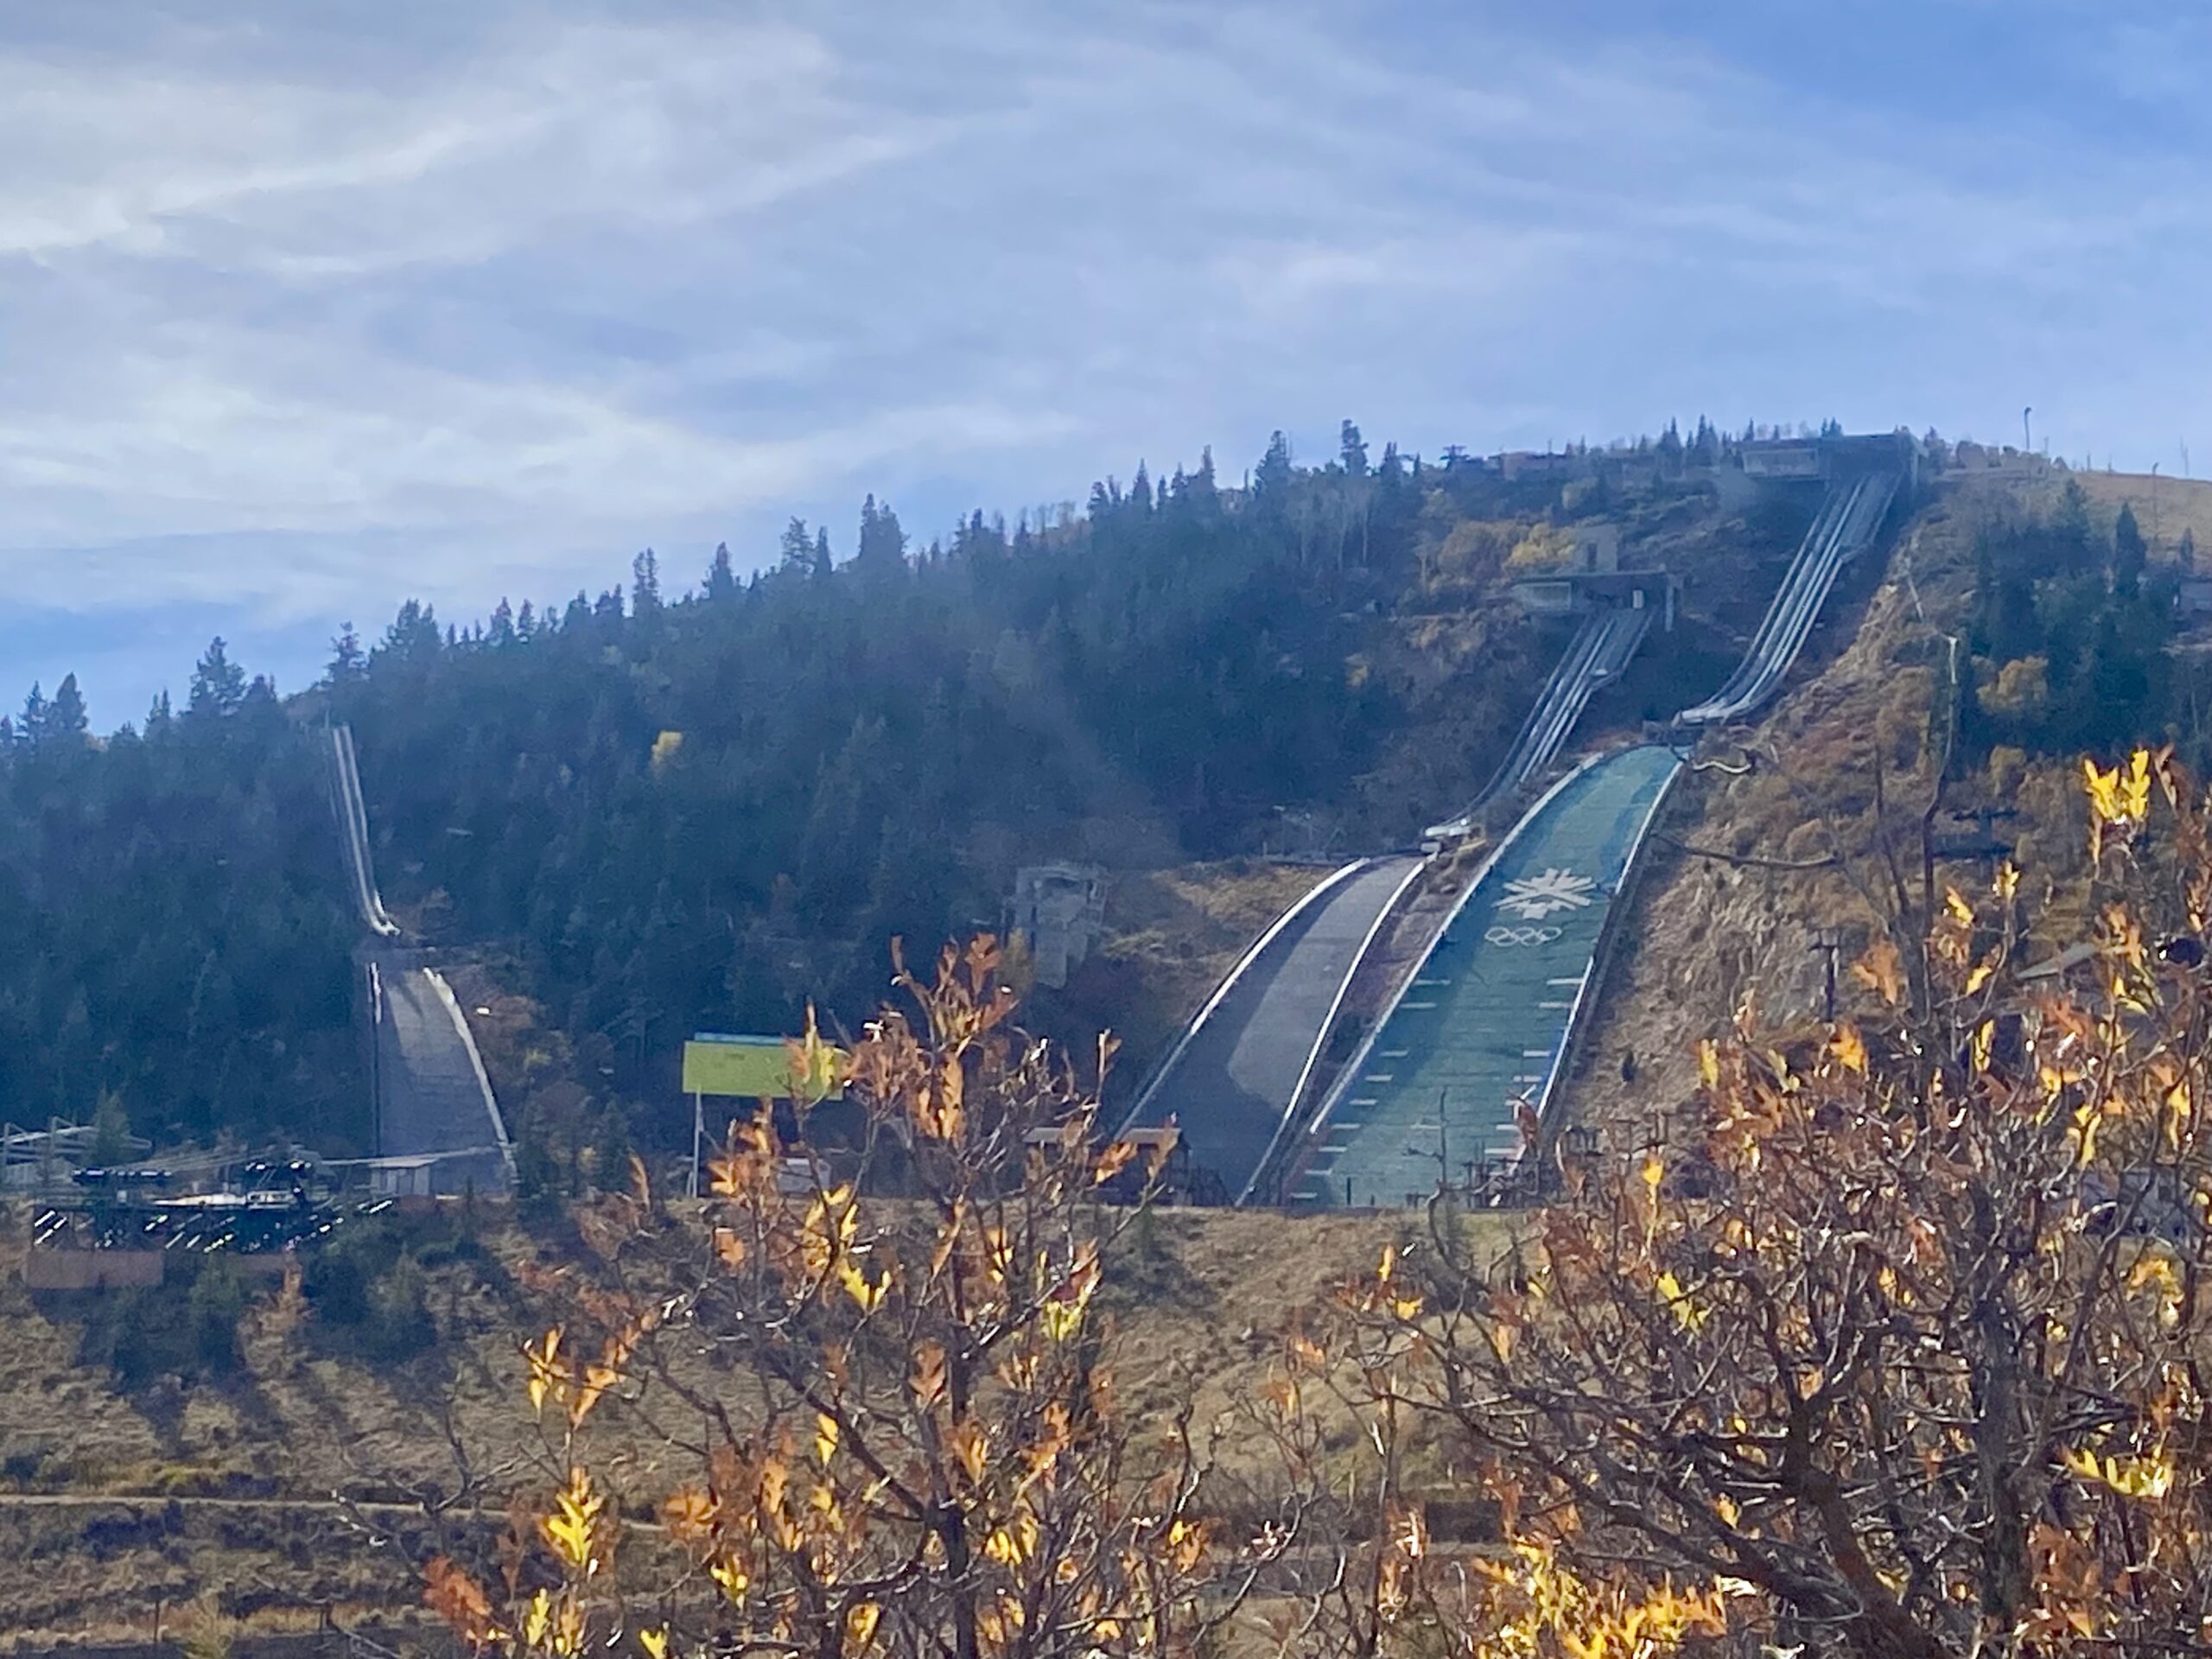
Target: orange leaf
928,1383
1850,1049
1882,969
1113,1160
460,1601
688,1515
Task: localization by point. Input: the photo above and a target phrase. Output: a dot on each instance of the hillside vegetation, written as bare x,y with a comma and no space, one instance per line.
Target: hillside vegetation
684,804
705,803
169,909
280,1448
2069,641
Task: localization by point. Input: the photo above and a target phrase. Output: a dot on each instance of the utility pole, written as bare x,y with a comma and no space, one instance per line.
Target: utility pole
2154,504
1443,1144
1828,942
1443,1153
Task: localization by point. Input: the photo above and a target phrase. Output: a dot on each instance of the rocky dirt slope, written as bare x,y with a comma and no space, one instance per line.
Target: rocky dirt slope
1772,847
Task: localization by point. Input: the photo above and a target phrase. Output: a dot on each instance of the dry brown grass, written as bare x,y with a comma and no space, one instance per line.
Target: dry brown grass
184,1488
1712,937
2164,507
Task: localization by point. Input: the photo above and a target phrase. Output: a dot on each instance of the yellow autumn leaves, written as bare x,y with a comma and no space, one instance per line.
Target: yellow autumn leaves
574,1526
2119,799
578,1385
1540,1606
2131,1476
1688,1314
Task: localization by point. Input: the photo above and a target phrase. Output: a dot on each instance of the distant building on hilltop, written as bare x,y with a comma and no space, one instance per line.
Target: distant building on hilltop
1782,459
1517,464
1836,455
1598,548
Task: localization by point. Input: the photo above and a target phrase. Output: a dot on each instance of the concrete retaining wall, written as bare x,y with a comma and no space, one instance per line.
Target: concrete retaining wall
93,1269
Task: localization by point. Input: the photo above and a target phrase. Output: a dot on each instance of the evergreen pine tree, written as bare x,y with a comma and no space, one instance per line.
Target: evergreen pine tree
414,637
720,585
2129,556
31,731
1271,482
347,663
67,727
1203,490
881,553
217,683
796,548
1352,451
645,584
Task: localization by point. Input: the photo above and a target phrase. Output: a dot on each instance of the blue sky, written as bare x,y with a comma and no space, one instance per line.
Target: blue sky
308,308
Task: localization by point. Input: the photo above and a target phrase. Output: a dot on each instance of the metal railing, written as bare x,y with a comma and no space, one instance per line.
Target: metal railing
1849,517
354,822
1601,648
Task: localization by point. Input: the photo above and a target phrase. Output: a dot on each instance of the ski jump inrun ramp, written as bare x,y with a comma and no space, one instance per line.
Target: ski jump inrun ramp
433,1100
1472,1042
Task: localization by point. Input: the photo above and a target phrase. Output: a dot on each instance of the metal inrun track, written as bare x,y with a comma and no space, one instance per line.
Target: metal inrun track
1600,649
1477,1032
1849,518
433,1100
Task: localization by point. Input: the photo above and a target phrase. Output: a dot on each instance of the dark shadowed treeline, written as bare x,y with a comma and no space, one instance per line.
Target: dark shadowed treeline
704,800
707,801
171,934
2071,633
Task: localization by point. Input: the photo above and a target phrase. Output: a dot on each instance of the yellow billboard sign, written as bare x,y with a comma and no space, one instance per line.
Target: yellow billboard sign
755,1068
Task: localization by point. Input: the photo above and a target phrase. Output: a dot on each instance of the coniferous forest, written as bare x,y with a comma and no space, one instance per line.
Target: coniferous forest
704,799
695,799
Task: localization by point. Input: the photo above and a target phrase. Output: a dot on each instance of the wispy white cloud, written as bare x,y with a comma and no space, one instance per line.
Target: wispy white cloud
308,308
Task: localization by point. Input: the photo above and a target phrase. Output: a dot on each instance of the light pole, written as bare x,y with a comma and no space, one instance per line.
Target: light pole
2027,438
2154,504
1823,941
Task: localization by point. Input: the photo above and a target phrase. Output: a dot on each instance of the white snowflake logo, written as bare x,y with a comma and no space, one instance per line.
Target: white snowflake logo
1534,897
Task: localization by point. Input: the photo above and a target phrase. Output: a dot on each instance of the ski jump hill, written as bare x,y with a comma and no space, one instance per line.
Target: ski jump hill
438,1128
1458,1078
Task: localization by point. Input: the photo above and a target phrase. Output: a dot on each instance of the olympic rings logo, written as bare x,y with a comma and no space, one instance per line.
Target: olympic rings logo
1511,936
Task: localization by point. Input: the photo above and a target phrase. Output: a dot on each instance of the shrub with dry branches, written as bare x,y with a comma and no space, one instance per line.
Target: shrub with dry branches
898,1413
1906,1357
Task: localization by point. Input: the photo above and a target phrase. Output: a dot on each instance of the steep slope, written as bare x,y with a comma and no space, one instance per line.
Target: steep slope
1239,1076
433,1100
1769,866
1477,1039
